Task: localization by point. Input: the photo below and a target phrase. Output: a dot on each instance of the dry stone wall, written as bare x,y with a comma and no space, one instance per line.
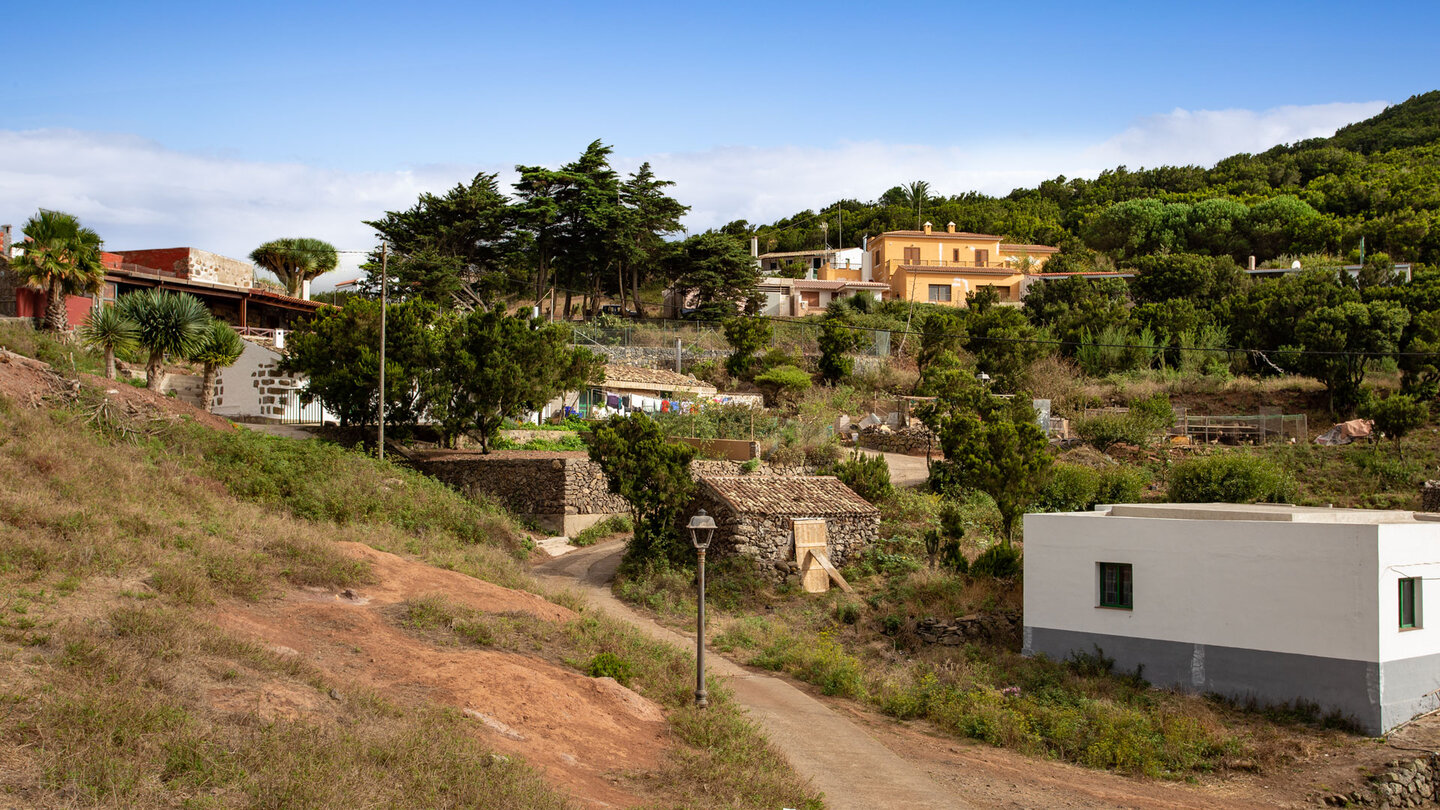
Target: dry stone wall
1405,783
554,489
914,440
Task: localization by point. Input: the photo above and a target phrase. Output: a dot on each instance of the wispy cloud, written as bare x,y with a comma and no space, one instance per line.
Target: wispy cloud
139,193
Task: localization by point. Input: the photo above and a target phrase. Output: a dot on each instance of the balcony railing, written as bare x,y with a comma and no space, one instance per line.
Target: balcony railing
945,263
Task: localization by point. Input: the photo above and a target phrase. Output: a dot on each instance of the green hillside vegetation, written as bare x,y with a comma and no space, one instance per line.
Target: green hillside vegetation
120,534
1378,179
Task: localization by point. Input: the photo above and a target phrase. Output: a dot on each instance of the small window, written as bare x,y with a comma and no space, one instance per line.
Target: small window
1115,585
939,292
956,255
1409,600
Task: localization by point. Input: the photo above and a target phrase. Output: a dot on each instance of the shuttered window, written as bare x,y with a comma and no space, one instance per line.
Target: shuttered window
1409,598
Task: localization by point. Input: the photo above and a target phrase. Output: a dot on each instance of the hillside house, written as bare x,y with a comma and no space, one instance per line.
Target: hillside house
1278,603
757,516
255,389
797,297
942,268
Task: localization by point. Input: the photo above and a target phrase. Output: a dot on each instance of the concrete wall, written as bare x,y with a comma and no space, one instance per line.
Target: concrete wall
1277,610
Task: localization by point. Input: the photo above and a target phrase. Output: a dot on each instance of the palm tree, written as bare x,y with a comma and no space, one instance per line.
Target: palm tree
219,348
916,193
108,329
61,258
296,260
168,324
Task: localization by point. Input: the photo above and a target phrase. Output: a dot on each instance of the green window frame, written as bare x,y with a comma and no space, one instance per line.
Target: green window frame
1117,585
1409,603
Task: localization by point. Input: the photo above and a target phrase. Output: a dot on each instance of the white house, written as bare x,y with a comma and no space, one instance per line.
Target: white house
254,388
1280,603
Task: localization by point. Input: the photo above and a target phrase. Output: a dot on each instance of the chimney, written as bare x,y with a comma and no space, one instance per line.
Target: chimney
754,246
865,242
5,241
305,289
927,228
279,338
1252,264
949,227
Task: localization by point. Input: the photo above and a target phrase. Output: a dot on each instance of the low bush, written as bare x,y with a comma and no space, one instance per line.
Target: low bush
610,665
615,524
1229,478
783,384
1000,561
868,475
1073,488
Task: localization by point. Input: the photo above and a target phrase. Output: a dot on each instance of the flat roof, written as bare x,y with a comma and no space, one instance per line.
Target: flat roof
1263,511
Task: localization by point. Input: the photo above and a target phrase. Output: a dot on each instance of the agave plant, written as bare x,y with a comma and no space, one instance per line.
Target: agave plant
220,347
109,330
168,323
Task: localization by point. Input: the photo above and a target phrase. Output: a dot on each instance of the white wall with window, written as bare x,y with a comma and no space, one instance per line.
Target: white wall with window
1278,602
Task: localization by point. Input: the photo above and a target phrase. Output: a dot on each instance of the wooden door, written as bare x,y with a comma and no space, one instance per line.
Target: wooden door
982,258
912,255
810,536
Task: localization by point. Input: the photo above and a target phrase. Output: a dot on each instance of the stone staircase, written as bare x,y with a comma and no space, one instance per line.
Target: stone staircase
187,387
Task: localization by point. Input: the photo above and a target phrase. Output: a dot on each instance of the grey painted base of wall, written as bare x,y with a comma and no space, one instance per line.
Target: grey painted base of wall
1408,688
1351,687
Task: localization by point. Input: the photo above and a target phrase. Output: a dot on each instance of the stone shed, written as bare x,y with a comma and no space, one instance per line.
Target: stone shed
756,517
562,491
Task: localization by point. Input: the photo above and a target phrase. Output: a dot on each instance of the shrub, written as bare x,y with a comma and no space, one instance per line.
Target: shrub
1074,488
746,335
1228,478
1396,415
783,383
610,665
869,476
1000,561
1071,489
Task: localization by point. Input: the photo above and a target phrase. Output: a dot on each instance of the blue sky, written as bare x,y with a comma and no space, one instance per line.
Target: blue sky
235,123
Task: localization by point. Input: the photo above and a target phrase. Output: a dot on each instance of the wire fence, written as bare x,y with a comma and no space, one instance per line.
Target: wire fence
794,337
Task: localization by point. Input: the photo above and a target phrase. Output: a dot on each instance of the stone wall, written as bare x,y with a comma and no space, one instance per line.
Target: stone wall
767,539
1430,497
217,269
709,466
563,492
992,627
1405,783
654,356
7,291
914,440
254,386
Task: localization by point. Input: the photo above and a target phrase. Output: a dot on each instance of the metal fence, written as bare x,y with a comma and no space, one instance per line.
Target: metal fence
298,413
1260,428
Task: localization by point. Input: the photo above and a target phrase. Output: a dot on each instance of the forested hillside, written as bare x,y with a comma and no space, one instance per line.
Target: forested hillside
1378,179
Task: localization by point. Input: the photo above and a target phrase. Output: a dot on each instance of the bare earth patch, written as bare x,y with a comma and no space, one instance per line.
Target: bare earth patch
584,733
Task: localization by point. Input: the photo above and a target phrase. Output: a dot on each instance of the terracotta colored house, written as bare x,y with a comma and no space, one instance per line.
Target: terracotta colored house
941,268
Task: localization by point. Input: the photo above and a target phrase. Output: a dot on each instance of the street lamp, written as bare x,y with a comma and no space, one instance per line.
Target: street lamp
702,528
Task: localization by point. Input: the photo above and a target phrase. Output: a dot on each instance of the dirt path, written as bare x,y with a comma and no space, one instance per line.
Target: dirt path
842,759
905,471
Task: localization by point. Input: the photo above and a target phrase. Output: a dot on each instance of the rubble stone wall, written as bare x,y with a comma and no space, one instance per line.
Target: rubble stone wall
768,542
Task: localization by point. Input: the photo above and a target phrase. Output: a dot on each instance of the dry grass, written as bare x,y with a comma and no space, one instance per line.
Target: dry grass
109,548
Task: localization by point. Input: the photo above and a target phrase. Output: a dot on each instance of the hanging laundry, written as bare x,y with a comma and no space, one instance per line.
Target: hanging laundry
612,400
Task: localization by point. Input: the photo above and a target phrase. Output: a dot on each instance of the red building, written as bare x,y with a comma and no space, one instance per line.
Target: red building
227,286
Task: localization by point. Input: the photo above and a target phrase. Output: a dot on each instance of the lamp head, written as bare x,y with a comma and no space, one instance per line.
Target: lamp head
702,528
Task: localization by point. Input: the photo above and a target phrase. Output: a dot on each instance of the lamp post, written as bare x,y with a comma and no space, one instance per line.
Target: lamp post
702,528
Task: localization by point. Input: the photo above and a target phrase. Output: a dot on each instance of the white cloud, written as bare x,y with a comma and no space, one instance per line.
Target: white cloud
138,193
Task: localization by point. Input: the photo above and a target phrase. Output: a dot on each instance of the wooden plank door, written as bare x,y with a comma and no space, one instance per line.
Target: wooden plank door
810,536
982,257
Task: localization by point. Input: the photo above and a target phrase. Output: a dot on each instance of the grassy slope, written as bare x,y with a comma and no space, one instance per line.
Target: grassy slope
110,548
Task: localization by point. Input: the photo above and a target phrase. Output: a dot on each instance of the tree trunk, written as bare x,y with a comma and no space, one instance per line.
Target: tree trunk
56,318
207,390
109,363
155,371
567,305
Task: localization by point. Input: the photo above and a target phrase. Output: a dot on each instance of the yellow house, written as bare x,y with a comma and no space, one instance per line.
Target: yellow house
941,268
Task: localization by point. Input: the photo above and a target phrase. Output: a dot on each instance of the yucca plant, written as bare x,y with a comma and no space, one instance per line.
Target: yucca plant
168,323
110,331
220,347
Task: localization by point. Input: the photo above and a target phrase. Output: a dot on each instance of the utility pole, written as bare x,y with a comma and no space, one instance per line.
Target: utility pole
384,289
